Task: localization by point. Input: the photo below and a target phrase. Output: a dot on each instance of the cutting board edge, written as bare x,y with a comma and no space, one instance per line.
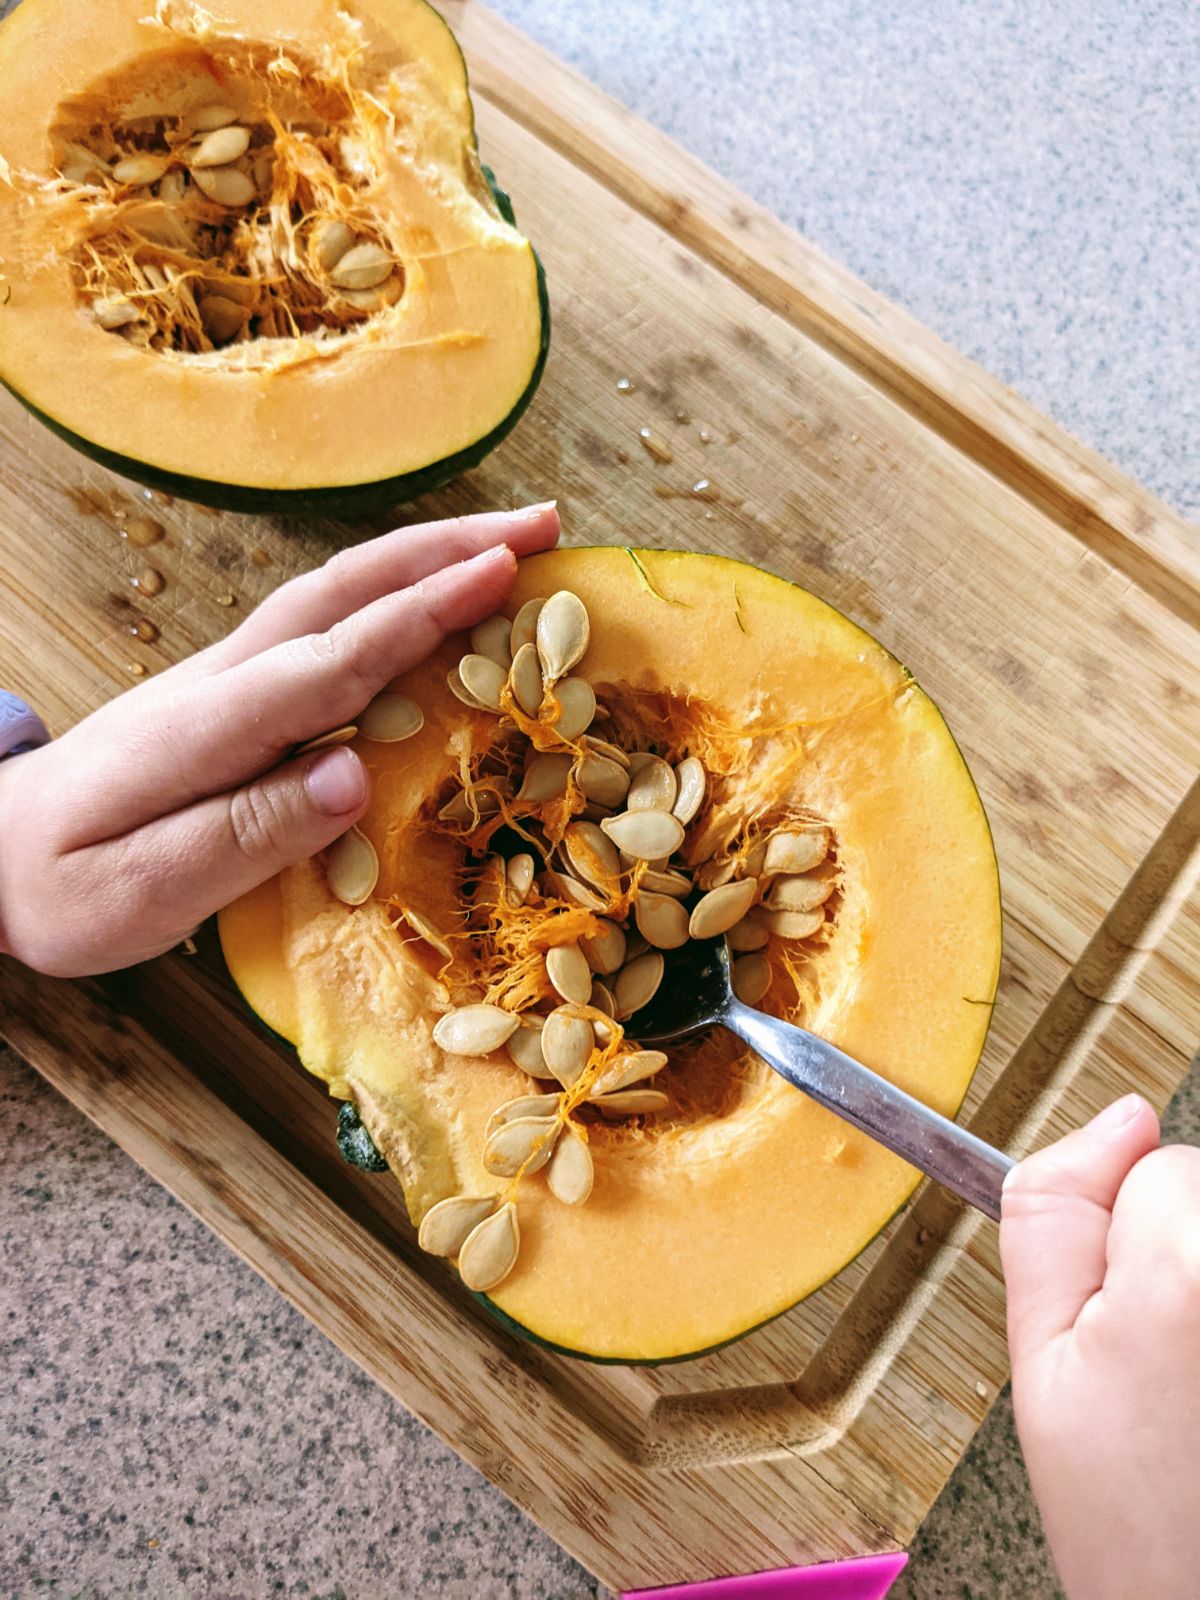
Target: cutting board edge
1094,501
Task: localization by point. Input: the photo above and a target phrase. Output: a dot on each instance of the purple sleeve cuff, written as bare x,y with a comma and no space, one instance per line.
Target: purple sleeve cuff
21,728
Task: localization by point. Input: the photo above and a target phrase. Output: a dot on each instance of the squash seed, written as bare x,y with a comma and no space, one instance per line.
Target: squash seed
572,889
633,1067
363,267
576,707
602,780
426,932
605,951
799,893
668,881
519,878
795,924
524,628
566,1044
460,691
592,854
637,982
717,911
716,873
521,1146
221,318
331,239
483,678
525,677
753,863
601,747
324,740
601,999
796,852
390,718
639,759
445,1226
692,784
571,1171
225,185
645,834
751,978
114,312
490,638
524,1105
458,807
213,116
602,1027
140,169
631,1103
546,778
748,934
221,147
352,867
661,920
474,1030
652,788
568,971
561,634
489,1252
525,1048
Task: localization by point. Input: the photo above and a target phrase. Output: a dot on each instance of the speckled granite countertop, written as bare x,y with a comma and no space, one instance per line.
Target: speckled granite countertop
1022,176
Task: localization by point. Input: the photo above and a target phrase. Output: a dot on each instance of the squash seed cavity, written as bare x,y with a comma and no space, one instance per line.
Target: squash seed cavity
629,843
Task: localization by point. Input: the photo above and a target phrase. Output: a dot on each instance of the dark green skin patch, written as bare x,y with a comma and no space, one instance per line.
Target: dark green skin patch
355,1143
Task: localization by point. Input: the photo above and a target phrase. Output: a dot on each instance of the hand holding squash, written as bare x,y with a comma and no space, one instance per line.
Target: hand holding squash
1101,1249
185,792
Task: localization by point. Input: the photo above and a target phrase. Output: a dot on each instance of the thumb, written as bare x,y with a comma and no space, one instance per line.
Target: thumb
225,846
1056,1215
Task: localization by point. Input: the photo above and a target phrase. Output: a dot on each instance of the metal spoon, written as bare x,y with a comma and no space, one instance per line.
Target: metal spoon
696,994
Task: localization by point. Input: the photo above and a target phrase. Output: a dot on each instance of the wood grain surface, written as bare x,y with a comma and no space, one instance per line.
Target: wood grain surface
1045,602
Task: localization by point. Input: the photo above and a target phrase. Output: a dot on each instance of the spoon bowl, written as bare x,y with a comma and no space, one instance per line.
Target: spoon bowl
696,994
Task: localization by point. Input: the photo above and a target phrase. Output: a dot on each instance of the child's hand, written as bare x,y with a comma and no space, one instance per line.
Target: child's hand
166,804
1101,1248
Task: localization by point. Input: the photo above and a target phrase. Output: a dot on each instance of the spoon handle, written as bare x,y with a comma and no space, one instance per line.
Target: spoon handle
932,1143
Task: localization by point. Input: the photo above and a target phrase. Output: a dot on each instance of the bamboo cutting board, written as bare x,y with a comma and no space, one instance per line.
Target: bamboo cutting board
1047,604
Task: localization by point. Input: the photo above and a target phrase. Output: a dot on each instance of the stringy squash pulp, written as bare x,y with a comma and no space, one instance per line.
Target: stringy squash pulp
250,253
740,1196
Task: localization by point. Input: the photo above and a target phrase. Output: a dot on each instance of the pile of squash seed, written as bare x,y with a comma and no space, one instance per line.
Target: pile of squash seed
626,848
196,244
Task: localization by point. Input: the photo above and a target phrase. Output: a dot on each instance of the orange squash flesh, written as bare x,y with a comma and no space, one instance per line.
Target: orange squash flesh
435,378
745,1196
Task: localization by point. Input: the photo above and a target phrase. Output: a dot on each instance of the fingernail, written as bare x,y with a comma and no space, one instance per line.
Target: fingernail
528,513
336,783
1117,1115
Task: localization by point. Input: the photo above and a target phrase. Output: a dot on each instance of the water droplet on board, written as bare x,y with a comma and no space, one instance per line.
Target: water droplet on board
142,531
135,669
626,385
704,436
702,489
227,599
655,447
682,416
149,581
260,557
144,629
623,457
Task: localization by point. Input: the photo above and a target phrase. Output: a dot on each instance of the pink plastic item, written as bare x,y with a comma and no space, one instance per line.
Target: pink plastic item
867,1579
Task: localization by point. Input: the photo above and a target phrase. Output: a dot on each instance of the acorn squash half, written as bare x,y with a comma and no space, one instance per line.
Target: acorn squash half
739,1196
248,254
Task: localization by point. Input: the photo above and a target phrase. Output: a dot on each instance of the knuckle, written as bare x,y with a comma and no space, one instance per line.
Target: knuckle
362,655
258,824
